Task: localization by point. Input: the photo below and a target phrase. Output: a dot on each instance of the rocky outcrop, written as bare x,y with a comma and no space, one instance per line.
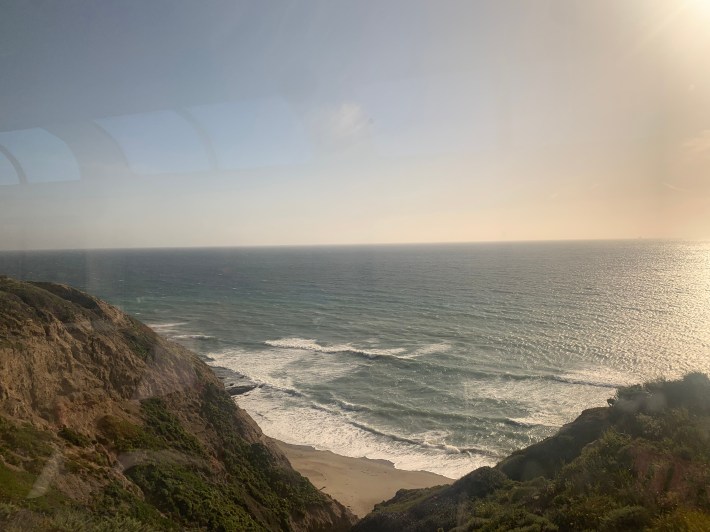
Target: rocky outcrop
103,421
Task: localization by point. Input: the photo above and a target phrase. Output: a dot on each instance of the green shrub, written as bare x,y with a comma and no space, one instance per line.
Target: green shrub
116,502
73,437
125,436
626,518
161,430
684,520
192,499
25,440
167,429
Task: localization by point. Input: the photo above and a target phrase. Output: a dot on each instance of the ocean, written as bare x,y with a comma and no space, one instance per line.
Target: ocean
442,358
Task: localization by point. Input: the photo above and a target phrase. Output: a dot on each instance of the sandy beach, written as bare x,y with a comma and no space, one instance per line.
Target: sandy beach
358,483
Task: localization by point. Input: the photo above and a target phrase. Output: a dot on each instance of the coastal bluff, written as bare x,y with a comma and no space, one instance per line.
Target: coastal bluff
641,463
104,425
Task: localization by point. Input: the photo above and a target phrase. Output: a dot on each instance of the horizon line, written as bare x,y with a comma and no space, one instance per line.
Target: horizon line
359,244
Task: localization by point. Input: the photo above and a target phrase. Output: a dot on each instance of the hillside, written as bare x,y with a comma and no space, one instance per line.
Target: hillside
643,463
106,426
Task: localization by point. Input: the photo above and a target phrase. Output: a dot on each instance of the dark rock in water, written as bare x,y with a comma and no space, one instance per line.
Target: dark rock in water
235,383
99,412
239,390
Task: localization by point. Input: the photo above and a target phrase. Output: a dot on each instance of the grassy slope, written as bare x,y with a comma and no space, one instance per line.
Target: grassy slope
642,463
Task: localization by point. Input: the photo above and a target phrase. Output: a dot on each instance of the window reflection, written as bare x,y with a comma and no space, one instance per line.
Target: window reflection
43,157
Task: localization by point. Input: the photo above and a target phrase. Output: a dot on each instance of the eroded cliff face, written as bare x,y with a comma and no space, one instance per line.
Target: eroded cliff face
106,423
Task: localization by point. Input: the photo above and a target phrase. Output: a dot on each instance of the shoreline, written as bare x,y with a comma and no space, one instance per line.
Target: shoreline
357,483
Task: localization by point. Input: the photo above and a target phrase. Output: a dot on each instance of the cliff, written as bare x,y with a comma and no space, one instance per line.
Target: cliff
104,425
643,463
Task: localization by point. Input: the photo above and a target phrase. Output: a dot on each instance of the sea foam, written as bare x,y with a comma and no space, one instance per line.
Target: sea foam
313,345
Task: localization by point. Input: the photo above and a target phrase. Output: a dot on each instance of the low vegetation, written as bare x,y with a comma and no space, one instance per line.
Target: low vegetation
641,464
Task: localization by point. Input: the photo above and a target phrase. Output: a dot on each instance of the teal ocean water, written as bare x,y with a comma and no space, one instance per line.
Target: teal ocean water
436,357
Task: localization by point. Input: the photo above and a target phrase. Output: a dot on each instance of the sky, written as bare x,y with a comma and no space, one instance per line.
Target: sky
150,124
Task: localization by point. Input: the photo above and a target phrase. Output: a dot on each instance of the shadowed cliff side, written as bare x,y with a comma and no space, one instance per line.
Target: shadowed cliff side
104,425
643,463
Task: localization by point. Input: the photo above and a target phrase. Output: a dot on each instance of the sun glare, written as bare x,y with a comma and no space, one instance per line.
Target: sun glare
699,6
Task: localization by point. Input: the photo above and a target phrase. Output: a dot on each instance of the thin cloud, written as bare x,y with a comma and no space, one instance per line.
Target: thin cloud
341,124
698,146
347,120
673,187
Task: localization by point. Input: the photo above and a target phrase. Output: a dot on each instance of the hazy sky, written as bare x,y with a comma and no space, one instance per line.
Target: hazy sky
239,123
